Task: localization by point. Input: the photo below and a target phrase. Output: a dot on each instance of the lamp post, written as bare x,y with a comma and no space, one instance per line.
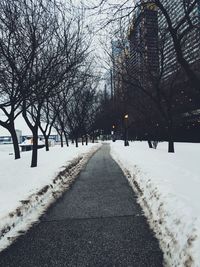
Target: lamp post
126,130
113,132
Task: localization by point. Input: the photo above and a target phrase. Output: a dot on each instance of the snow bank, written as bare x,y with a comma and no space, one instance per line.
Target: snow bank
168,187
25,193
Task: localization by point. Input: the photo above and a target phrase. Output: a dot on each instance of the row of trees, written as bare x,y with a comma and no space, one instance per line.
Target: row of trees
46,70
157,105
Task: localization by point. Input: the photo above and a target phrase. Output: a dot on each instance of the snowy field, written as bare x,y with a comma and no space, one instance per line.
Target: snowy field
5,149
25,192
168,186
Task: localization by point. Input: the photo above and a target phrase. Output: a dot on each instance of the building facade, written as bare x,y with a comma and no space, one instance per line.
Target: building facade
120,57
143,39
190,42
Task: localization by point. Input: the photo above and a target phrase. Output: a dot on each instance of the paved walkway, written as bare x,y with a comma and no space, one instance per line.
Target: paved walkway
97,223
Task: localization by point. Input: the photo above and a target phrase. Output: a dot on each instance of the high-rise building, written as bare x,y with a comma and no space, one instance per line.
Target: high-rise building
116,52
143,39
119,56
190,41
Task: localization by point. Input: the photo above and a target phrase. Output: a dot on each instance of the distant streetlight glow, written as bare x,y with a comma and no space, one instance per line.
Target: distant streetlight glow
126,130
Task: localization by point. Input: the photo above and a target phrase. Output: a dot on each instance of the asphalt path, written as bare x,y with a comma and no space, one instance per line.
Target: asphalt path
96,223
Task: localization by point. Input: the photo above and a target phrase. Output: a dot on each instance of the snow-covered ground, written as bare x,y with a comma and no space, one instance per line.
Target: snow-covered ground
168,187
26,192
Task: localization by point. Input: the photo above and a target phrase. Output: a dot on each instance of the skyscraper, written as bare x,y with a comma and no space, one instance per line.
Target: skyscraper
119,57
143,39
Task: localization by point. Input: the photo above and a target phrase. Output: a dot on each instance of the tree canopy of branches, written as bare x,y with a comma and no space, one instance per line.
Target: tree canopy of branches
44,46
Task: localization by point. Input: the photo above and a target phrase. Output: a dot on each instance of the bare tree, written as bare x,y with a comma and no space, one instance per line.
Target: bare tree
77,111
48,118
13,67
60,49
41,42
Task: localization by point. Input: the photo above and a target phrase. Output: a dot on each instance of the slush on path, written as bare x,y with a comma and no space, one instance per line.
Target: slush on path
96,223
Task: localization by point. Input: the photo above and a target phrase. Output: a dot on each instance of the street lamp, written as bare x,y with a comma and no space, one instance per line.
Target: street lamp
126,130
126,116
113,133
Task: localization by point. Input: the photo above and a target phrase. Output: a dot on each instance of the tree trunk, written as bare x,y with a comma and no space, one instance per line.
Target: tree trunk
15,142
72,141
46,142
67,143
76,140
86,140
66,139
126,142
150,144
46,137
35,148
82,139
170,137
93,138
61,140
171,146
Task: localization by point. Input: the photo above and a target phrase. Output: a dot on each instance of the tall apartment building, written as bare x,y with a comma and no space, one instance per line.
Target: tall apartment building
119,56
116,52
143,41
191,42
